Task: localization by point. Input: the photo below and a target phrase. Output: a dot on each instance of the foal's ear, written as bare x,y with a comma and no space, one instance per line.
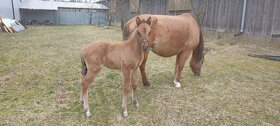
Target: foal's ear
138,21
149,21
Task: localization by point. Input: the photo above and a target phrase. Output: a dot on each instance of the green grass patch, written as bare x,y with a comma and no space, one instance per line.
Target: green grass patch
40,83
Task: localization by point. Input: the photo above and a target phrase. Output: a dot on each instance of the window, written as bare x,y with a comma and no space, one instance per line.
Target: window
176,5
134,6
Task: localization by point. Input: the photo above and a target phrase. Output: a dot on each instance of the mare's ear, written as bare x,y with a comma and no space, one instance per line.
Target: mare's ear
138,21
149,21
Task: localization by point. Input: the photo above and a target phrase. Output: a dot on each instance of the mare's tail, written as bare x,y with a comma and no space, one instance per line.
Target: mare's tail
84,66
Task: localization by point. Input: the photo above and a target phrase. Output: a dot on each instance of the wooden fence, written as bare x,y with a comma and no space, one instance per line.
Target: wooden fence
262,16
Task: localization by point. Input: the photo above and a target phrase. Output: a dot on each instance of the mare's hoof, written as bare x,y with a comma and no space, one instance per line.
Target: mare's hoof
177,84
147,84
125,114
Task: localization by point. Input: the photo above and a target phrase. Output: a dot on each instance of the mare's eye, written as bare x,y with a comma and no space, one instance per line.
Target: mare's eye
149,33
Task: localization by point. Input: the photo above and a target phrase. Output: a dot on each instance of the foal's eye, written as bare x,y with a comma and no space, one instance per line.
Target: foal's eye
138,33
149,33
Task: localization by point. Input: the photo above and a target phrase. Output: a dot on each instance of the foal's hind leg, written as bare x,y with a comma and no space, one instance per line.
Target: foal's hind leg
126,80
180,62
92,72
134,87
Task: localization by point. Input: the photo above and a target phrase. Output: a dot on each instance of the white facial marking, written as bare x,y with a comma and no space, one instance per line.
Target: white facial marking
88,113
177,84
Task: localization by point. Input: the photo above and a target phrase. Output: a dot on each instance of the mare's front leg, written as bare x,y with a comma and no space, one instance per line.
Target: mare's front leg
134,87
126,84
142,70
180,62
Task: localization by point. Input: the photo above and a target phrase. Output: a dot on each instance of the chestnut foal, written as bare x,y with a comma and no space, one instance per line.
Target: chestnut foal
126,55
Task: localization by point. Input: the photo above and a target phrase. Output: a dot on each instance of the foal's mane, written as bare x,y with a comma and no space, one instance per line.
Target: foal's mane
133,35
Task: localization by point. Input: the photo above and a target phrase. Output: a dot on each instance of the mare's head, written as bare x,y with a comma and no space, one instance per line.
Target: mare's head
196,63
143,32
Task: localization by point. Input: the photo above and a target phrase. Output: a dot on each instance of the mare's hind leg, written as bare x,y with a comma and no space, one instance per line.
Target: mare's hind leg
134,87
92,72
180,62
142,70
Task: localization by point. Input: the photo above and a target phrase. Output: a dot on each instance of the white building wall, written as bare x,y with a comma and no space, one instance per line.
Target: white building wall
6,8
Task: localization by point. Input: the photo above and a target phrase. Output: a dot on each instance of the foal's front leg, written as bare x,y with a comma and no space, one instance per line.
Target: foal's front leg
126,80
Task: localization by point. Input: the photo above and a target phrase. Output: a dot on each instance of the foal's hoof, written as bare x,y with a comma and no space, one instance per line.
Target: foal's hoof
136,105
147,84
125,114
88,113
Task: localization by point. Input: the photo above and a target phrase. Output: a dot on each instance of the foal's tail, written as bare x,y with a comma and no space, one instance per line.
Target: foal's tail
84,66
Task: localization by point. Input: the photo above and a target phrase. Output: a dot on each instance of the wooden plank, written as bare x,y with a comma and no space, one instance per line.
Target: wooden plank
171,5
215,14
259,19
222,15
238,16
143,6
234,22
13,30
208,16
151,7
276,18
228,14
219,15
161,7
7,28
250,16
267,22
2,26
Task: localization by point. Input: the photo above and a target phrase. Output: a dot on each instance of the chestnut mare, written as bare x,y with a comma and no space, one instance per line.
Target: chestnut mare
172,35
127,56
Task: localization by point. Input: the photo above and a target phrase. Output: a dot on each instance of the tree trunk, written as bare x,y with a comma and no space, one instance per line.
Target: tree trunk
122,23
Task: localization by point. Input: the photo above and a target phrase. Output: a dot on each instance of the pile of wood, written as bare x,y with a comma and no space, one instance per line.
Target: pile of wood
10,25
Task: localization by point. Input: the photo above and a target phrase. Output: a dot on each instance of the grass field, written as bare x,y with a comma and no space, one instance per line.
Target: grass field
40,83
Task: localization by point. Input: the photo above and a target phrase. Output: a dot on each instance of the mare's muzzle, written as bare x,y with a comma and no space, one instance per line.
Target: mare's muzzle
145,45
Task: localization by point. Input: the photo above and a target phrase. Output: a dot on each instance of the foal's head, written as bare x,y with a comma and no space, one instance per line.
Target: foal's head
143,32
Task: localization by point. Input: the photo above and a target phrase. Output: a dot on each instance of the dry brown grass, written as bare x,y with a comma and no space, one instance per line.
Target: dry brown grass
40,83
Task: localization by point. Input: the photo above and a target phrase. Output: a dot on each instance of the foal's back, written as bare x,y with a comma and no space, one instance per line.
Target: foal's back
104,53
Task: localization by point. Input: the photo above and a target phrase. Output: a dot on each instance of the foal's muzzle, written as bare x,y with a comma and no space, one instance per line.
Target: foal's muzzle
145,45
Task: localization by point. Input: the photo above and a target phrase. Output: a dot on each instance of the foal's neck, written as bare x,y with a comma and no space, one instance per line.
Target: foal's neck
134,42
